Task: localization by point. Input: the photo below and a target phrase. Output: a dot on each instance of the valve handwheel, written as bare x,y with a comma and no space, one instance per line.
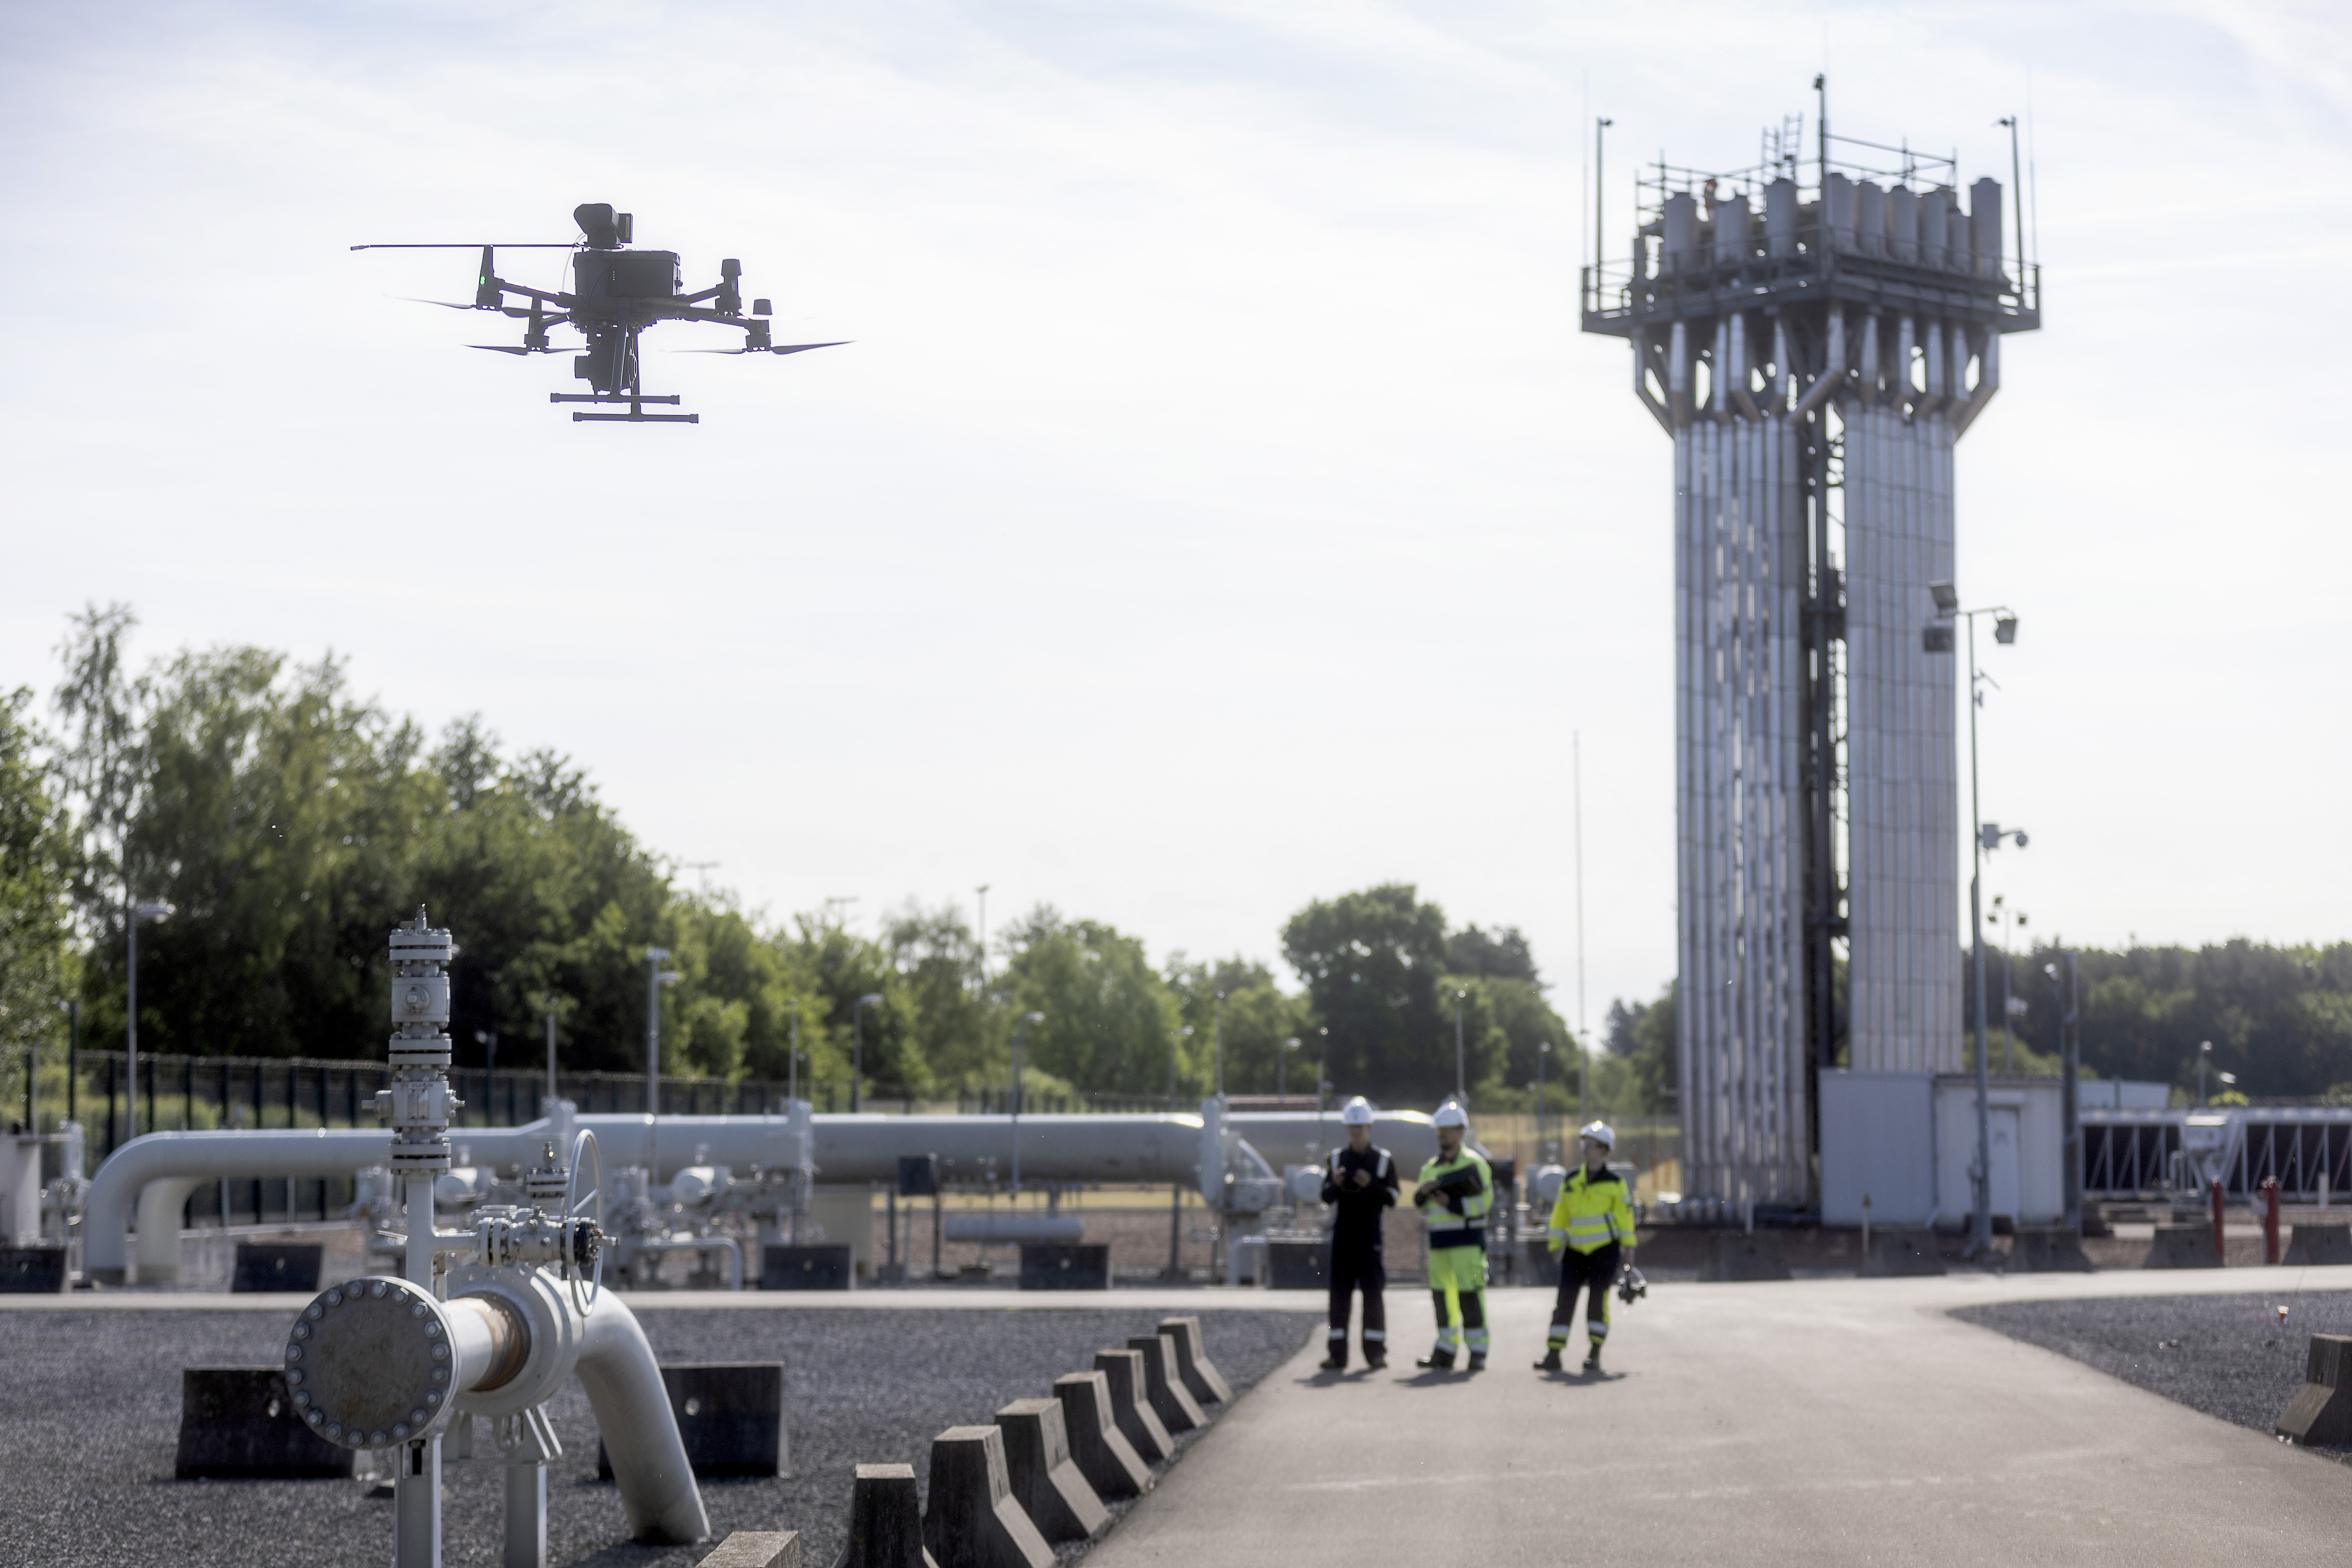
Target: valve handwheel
583,1149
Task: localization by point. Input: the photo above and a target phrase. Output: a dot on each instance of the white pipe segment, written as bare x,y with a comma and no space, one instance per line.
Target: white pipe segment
625,1389
849,1150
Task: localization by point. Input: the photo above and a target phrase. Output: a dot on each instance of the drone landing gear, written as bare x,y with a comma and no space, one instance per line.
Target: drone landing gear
636,414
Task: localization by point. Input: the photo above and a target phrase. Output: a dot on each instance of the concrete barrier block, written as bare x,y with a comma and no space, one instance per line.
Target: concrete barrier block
1097,1447
1138,1422
972,1519
1163,1384
1207,1384
32,1270
1901,1254
1059,1500
2047,1249
1056,1265
1296,1264
886,1521
807,1267
2321,1410
2316,1244
1737,1254
276,1266
2182,1246
730,1416
757,1548
237,1423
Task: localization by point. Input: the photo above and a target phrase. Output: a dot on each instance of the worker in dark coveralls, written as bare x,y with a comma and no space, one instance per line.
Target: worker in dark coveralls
1360,1183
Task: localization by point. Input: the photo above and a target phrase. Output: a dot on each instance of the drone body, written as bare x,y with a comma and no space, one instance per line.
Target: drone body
617,294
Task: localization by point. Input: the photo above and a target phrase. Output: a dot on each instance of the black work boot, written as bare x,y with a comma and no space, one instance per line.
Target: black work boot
1550,1362
1477,1361
1377,1362
1336,1361
1437,1361
1592,1359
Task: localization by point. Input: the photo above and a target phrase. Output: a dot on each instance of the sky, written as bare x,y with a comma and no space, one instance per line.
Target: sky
1217,506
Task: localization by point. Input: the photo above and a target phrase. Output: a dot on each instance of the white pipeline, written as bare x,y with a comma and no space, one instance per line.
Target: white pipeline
848,1150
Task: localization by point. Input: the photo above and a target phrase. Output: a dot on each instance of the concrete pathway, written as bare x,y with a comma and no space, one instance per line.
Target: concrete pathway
1811,1421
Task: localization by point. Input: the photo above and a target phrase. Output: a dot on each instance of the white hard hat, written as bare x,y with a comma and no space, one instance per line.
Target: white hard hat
1359,1113
1451,1114
1600,1133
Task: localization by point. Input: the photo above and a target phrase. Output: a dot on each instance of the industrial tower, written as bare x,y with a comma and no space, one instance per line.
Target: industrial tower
1816,333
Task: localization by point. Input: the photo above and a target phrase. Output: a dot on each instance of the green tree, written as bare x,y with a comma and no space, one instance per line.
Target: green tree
1257,1017
36,903
956,1031
1374,964
840,966
1642,1037
1110,1021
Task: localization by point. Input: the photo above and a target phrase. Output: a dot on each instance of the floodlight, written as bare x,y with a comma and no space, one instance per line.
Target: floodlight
1947,597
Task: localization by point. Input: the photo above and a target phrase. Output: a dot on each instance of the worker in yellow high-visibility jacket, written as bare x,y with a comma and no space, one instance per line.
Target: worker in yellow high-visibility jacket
1592,1235
1455,1191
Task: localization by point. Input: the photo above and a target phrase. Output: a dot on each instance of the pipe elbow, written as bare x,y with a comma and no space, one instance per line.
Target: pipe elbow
625,1389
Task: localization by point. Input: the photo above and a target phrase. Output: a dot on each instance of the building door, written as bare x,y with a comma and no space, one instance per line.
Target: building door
2002,1131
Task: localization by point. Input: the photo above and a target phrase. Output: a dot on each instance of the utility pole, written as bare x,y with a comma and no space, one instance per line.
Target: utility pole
1576,764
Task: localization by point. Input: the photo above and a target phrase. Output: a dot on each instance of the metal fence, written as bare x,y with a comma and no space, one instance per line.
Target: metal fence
2148,1155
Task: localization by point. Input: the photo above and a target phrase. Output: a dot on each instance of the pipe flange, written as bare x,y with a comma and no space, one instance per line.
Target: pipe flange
370,1364
553,1336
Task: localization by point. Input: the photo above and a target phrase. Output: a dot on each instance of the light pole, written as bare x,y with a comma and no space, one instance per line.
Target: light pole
793,1054
1020,1037
2204,1054
1937,638
857,1048
1543,1050
73,1054
149,911
983,946
1282,1067
1461,1095
550,1002
2070,1088
1322,1069
656,978
1221,1045
1185,1034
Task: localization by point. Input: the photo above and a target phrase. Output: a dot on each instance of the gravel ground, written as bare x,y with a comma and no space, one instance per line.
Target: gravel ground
90,1411
2228,1356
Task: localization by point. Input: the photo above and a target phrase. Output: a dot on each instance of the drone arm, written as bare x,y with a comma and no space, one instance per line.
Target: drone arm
543,295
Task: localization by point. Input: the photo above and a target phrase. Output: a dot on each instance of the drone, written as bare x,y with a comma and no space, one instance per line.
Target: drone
618,294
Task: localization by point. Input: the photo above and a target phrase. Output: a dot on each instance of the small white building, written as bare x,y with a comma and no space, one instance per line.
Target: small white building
1907,1142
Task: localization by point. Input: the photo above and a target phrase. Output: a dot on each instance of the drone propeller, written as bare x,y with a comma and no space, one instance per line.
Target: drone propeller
508,349
777,348
515,310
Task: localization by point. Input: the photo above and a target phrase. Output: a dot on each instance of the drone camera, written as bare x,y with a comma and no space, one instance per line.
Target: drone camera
602,228
624,226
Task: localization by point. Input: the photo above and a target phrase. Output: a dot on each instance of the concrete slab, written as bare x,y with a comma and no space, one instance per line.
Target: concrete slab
1804,1421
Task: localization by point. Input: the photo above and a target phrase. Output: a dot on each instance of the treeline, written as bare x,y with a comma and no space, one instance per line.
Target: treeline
288,822
2279,1018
